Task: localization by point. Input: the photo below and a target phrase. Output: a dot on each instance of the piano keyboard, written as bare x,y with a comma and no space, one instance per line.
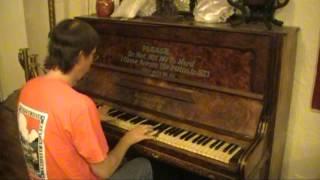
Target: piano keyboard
180,138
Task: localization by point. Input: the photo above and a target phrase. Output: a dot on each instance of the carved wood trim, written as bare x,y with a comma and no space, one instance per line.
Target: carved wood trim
316,92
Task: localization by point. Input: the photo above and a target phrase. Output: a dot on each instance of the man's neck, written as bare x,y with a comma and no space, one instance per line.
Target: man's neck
57,74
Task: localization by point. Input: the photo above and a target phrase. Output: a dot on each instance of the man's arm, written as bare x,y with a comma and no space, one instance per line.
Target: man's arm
107,167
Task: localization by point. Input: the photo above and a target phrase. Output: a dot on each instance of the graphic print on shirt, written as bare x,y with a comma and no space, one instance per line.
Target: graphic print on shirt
32,125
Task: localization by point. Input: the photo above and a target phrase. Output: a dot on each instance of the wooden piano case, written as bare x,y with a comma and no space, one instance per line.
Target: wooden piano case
233,83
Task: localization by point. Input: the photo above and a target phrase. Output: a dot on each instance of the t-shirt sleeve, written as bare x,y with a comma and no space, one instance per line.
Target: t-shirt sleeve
87,134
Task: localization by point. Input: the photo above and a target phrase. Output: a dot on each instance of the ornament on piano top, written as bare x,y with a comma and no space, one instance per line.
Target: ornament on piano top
144,8
257,10
212,11
166,8
174,8
104,8
130,8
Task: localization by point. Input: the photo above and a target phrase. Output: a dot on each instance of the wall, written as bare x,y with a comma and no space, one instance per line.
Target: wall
302,153
71,8
37,21
13,36
37,26
24,23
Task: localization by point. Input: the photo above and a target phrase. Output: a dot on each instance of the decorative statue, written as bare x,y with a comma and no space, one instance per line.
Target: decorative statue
258,10
166,8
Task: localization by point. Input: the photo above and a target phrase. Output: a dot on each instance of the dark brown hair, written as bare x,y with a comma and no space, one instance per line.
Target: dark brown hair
66,40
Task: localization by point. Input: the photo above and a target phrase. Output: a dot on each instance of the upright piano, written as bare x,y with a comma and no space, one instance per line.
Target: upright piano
217,96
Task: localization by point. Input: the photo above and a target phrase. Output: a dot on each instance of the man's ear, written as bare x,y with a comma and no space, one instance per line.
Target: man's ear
79,60
81,53
81,57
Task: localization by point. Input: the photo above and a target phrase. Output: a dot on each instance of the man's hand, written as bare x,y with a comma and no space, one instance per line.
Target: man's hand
106,168
137,134
103,112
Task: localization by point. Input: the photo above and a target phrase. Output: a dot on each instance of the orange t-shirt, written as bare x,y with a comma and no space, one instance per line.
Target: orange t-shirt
60,130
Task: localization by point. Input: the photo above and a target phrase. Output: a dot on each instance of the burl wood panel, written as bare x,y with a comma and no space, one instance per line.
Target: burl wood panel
233,53
204,64
173,70
316,93
208,109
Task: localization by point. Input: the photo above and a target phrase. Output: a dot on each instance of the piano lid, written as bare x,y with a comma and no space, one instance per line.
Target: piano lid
195,75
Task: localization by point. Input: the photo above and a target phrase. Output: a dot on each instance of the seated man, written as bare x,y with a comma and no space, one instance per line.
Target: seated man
60,128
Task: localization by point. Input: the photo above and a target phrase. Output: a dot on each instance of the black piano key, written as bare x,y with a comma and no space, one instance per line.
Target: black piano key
206,141
190,136
227,148
197,138
219,145
126,116
143,121
178,132
183,132
150,122
169,130
230,148
166,126
233,149
174,133
236,156
159,126
214,143
185,135
161,129
202,139
115,113
146,122
171,133
136,120
155,124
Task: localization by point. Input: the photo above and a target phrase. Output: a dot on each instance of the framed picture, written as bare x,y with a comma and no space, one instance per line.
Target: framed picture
316,92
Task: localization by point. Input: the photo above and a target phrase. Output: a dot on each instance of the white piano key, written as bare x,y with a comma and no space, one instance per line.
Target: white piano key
176,141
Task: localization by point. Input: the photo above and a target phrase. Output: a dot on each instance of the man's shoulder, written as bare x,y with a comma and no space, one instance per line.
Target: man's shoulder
84,98
43,83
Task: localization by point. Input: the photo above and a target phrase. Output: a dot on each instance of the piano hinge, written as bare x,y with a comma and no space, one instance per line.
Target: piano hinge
264,124
264,127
